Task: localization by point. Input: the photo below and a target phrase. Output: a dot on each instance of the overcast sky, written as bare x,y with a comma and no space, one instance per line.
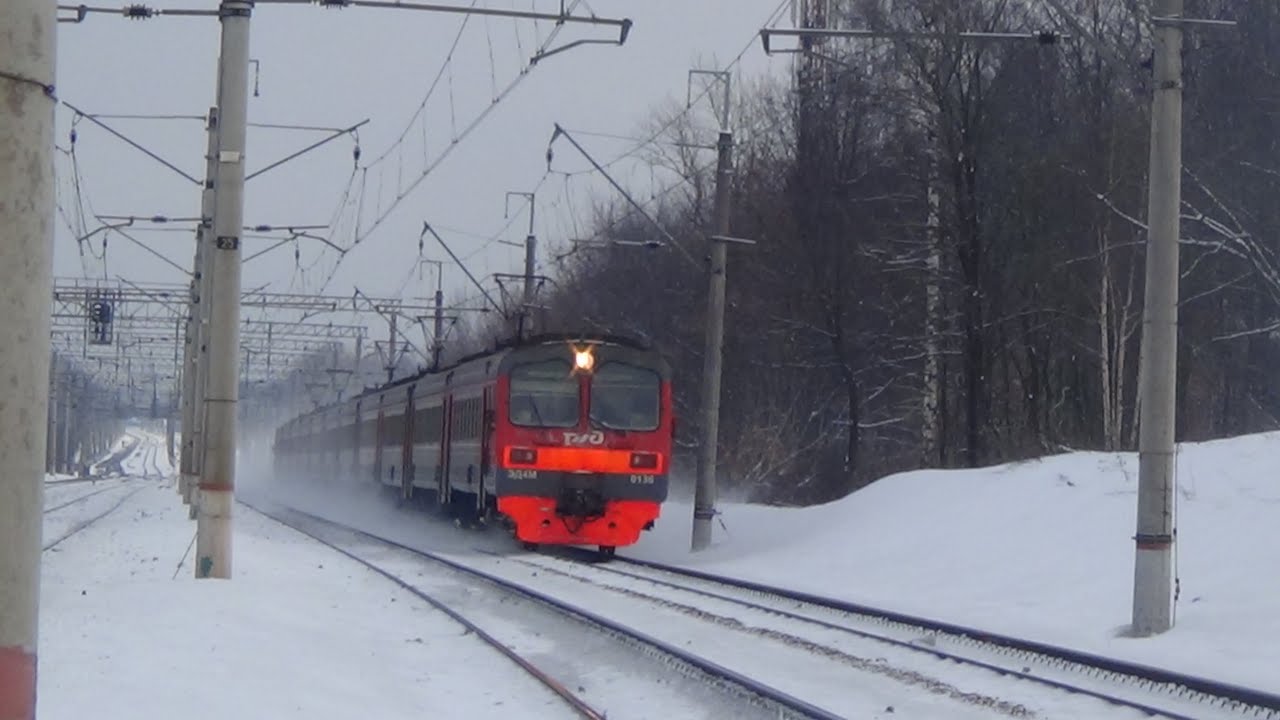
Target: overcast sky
334,68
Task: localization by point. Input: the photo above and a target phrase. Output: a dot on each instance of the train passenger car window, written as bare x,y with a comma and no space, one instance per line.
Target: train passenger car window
544,394
393,430
426,428
462,411
625,397
469,419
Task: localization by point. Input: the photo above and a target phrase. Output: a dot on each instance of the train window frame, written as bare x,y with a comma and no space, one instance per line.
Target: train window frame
569,378
428,424
632,427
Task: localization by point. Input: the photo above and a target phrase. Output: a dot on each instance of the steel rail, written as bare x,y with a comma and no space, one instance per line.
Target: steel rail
537,673
85,524
80,499
712,669
1249,698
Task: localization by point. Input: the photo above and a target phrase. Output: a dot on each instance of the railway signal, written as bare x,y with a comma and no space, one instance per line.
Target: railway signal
100,315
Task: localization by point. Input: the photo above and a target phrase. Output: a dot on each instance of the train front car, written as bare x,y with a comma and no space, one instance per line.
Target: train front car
584,431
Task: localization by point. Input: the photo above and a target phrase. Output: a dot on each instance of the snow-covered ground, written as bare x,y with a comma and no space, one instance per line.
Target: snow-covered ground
1039,549
126,632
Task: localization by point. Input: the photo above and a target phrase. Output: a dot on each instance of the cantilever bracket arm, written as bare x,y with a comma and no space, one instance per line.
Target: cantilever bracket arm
624,31
1043,37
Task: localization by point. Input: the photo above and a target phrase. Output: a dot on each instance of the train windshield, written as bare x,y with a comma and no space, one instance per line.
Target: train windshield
625,397
544,394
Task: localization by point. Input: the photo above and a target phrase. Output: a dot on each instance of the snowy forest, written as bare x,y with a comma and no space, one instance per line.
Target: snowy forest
949,258
950,245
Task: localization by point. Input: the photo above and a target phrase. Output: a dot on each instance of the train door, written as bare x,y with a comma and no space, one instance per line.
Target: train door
356,439
308,451
446,435
334,434
378,440
406,447
488,450
486,430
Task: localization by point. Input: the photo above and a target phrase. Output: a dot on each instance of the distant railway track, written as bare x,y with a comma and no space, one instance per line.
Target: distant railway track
80,498
769,700
151,468
1072,671
112,466
73,481
113,462
84,524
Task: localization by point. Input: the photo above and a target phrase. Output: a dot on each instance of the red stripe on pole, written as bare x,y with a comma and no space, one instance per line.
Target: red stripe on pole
17,684
217,487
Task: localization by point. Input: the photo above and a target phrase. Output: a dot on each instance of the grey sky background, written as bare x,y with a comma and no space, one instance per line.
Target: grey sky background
336,67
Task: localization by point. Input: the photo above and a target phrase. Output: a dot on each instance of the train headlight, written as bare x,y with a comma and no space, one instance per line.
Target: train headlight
523,456
644,461
583,360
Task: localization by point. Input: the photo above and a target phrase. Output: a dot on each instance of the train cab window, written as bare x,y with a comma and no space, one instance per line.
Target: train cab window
625,397
544,394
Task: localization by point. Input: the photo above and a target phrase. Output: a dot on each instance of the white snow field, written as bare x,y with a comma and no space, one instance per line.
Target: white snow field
1040,549
300,632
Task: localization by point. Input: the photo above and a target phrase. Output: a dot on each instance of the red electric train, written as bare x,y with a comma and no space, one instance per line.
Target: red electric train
567,439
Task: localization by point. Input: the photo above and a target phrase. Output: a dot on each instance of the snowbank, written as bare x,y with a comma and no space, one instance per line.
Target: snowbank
1040,549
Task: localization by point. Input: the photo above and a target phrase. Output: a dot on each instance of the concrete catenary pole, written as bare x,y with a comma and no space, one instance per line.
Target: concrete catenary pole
391,348
202,285
67,389
171,410
51,418
437,326
704,497
530,267
218,475
1153,585
28,30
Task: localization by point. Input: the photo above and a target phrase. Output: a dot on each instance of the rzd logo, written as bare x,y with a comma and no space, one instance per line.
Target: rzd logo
595,437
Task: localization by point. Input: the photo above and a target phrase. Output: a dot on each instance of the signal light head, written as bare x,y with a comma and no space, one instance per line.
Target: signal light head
583,360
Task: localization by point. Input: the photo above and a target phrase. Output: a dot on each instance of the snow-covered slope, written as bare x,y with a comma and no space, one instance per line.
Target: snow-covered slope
1041,549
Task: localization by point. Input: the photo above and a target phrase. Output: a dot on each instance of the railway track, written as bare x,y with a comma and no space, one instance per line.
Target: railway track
80,498
85,523
700,683
72,481
150,469
575,702
112,466
1151,691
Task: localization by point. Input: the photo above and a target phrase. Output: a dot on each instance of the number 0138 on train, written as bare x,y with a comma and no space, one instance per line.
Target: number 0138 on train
568,440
